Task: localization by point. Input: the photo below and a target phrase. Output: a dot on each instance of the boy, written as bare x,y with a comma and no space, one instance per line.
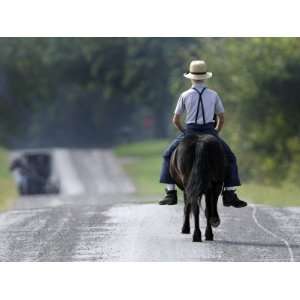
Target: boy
200,104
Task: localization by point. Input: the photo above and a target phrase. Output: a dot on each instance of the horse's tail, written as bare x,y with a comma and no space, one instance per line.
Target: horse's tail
198,179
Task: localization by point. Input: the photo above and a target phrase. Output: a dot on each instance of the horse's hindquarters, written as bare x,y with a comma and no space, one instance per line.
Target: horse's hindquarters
197,166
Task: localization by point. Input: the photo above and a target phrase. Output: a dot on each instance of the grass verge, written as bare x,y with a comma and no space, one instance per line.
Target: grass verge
8,192
144,163
285,195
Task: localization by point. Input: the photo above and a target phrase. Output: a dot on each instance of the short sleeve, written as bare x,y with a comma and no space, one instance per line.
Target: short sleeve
180,107
219,108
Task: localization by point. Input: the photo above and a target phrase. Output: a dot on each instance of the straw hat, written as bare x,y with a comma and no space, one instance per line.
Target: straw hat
198,71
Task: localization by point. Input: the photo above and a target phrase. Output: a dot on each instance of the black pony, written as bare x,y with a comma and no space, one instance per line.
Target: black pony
198,166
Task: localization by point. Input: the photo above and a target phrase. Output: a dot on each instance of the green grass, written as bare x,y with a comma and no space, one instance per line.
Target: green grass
8,191
285,195
147,149
144,169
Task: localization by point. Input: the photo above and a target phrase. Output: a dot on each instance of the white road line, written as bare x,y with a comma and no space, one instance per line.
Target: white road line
110,175
291,254
70,183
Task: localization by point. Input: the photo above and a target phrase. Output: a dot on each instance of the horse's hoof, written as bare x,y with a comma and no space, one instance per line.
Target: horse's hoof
209,237
185,230
214,221
197,238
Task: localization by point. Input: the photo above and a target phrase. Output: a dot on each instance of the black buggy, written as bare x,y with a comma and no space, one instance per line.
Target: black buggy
33,172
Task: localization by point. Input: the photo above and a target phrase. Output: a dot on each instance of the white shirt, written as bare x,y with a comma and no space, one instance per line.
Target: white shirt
188,103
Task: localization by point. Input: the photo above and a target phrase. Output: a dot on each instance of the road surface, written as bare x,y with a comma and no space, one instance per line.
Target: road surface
98,218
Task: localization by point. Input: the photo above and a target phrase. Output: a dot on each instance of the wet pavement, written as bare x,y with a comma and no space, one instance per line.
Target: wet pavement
98,218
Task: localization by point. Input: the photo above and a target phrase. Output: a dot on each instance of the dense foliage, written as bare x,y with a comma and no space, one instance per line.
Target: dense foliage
84,90
92,91
260,81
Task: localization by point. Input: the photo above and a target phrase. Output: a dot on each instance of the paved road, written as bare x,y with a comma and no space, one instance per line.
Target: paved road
97,218
151,233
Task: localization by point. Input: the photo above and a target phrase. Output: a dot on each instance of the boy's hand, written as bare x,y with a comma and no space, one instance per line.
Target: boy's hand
177,123
220,122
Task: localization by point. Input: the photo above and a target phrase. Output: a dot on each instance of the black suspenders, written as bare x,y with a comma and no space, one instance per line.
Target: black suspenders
202,107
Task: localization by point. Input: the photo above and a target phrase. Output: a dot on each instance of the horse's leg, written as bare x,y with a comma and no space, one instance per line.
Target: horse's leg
209,236
211,202
187,210
197,232
208,214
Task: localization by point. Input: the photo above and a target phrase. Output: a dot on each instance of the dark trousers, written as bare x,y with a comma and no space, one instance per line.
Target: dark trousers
231,176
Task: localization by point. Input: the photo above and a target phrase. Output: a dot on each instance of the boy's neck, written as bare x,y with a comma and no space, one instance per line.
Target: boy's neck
198,82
